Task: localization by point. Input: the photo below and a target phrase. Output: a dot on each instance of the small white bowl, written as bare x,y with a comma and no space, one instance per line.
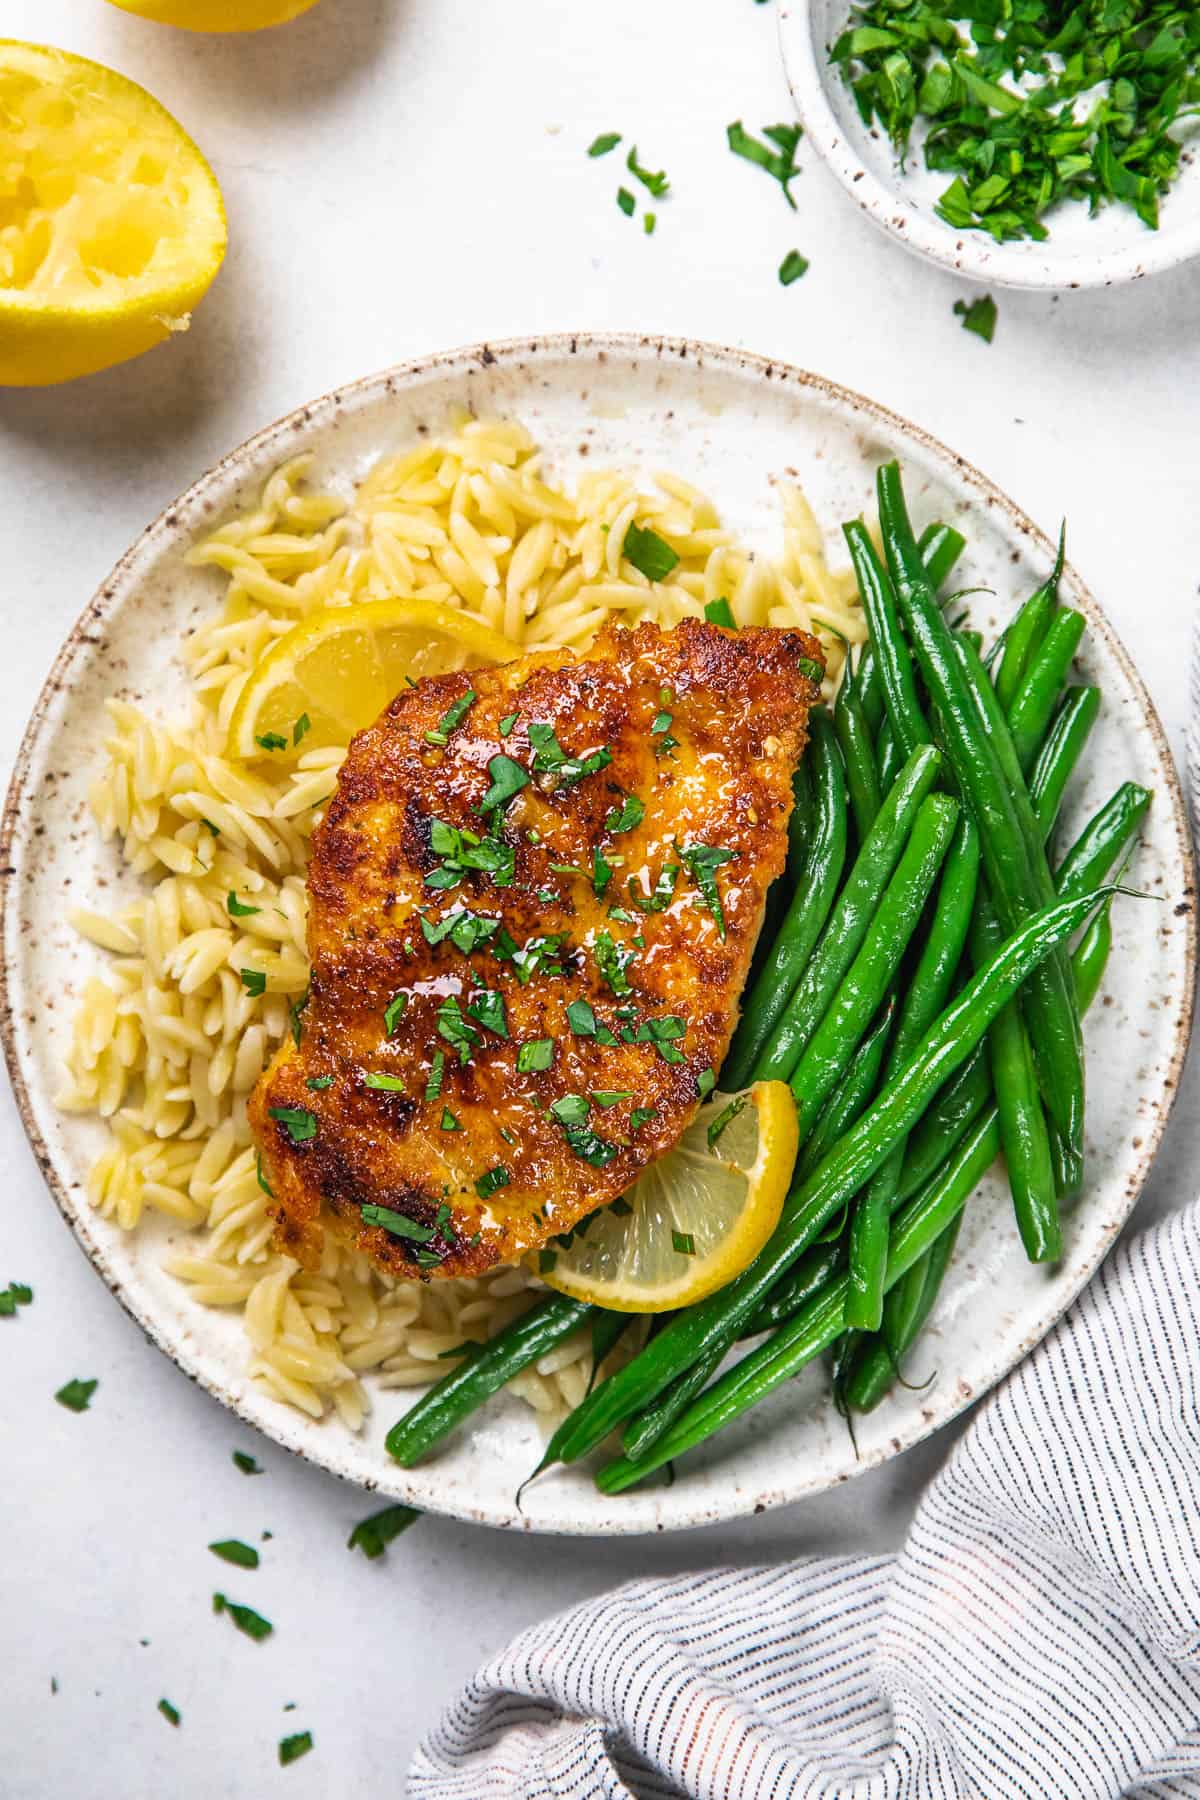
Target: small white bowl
1081,251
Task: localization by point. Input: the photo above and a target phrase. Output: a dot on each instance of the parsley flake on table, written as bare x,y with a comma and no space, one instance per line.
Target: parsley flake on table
76,1395
294,1747
650,554
626,201
792,268
245,1463
170,1713
232,1550
17,1293
779,162
373,1534
607,140
249,1622
656,182
978,316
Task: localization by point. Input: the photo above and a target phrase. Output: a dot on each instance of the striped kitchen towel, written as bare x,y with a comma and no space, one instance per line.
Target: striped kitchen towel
1038,1634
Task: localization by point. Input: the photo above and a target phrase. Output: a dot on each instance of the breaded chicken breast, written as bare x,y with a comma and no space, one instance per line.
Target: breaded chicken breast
533,902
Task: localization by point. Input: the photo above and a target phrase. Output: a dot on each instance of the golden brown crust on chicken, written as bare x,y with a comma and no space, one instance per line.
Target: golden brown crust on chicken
651,754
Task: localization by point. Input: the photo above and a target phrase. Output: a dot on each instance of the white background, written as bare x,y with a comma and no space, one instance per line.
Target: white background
403,176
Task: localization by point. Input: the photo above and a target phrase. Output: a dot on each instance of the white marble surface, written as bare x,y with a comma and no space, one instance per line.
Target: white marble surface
404,175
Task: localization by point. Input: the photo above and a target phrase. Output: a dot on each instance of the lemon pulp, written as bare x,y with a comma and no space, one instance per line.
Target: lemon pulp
695,1218
111,222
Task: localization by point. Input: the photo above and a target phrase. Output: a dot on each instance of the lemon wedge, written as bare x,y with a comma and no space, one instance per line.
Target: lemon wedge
111,223
336,671
694,1219
217,15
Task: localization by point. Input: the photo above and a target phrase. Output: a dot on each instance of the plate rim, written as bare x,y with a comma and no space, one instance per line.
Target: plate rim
465,360
890,210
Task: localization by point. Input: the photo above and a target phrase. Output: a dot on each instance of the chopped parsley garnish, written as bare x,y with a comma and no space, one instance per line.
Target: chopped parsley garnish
373,1534
466,930
170,1713
244,1617
706,1081
236,910
76,1395
581,1018
449,1122
612,960
507,723
703,861
620,1206
245,1463
650,555
649,223
811,669
232,1550
263,1183
779,162
295,1016
300,730
319,1082
300,1124
606,1097
271,740
437,1070
487,1005
655,181
209,826
607,140
394,1011
1038,104
723,1119
451,719
454,1028
626,201
602,872
625,817
550,756
294,1747
662,1032
642,1115
539,956
491,1181
570,1109
385,1084
719,612
583,1142
17,1293
660,727
539,1054
979,316
462,850
664,890
507,778
398,1224
546,1261
792,268
683,1242
254,982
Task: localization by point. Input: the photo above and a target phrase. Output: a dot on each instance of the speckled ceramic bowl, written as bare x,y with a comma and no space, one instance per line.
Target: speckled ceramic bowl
733,424
1080,251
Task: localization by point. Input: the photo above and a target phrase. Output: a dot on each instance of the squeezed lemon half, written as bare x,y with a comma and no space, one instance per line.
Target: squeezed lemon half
217,15
694,1219
336,671
111,222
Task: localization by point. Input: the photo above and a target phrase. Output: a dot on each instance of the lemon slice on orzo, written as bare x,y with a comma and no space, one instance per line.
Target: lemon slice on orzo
336,671
111,222
695,1218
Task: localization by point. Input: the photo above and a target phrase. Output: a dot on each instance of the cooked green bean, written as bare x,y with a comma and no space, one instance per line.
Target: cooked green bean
768,998
904,710
1026,631
1059,754
1102,840
696,1330
447,1403
927,994
861,990
644,1430
940,547
800,823
849,919
1041,686
850,1095
858,752
800,1283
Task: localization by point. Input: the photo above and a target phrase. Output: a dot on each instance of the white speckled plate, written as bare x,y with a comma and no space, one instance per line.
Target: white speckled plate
1080,251
733,424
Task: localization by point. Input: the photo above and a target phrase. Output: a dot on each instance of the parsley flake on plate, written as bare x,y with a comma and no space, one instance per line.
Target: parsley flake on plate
719,612
650,554
979,316
232,1550
451,719
683,1242
297,1121
779,162
398,1224
271,740
237,910
254,982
